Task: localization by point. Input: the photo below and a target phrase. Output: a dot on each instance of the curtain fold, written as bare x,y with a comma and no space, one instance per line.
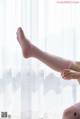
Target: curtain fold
28,88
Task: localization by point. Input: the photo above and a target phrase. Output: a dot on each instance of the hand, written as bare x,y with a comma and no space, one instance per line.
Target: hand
70,74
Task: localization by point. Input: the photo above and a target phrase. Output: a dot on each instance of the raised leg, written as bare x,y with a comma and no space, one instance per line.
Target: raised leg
29,50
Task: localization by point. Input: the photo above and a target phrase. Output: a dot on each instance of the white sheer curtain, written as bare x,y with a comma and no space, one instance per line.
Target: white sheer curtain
28,88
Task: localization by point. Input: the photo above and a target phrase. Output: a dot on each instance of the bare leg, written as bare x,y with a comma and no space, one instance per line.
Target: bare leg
54,62
72,112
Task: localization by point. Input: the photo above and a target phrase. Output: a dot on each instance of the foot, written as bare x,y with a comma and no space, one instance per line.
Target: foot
70,74
24,43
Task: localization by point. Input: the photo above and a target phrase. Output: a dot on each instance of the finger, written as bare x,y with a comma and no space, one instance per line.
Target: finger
66,72
68,76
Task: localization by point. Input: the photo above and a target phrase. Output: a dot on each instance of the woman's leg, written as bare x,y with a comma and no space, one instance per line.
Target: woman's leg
72,112
29,50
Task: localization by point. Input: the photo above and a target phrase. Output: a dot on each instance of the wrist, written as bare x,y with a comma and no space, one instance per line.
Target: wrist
78,76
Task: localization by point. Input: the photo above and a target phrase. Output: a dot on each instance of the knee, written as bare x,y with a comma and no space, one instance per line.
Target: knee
71,113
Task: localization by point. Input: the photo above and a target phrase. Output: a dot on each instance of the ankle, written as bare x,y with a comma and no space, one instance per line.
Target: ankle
33,50
28,51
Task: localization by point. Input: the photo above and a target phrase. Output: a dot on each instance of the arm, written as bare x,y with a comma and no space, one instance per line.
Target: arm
75,66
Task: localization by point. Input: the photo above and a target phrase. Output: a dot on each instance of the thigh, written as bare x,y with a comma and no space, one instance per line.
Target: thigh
72,112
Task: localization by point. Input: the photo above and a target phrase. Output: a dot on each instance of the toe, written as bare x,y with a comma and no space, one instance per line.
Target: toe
20,33
19,29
